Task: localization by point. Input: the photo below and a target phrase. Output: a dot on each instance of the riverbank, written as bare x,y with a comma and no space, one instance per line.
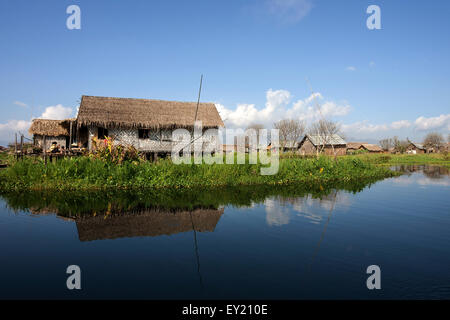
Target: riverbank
85,173
440,159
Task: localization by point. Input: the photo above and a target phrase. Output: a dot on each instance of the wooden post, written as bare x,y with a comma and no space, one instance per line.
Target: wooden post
21,144
15,145
45,149
70,139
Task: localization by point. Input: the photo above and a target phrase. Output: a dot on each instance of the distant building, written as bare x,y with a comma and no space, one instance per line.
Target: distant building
415,148
52,131
362,146
311,144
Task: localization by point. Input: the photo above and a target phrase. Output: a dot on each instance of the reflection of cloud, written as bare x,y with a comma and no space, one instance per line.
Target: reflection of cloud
276,215
422,180
278,210
433,182
315,209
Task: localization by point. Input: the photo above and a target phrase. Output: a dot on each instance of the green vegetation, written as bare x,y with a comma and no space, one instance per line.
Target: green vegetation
129,201
87,173
441,159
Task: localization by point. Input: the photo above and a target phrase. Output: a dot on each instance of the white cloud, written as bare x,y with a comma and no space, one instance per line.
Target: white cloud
8,129
443,121
289,11
58,112
20,104
365,127
278,107
351,68
400,124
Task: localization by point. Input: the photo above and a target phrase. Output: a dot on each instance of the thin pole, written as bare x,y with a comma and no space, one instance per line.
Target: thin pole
70,139
196,112
198,100
15,144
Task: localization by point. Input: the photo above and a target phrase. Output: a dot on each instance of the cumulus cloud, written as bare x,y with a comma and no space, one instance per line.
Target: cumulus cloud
278,106
365,127
289,11
400,124
443,121
7,130
58,112
20,104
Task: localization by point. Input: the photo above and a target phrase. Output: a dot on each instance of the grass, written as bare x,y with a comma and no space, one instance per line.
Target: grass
442,159
84,173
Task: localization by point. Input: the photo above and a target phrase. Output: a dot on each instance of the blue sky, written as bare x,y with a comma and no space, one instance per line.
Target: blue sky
255,57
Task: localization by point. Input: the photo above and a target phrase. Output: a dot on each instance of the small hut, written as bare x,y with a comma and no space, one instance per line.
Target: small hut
353,147
311,144
51,131
143,123
372,148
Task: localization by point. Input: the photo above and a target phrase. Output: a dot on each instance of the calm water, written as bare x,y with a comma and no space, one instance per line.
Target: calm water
295,243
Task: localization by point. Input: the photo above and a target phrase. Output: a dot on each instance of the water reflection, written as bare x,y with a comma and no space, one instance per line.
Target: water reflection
431,175
288,242
112,215
310,207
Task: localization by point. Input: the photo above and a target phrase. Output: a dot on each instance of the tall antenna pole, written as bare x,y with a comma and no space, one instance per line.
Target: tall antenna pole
198,100
324,121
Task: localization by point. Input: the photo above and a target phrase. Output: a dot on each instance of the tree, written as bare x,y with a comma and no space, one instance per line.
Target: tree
325,129
400,145
433,140
289,130
386,144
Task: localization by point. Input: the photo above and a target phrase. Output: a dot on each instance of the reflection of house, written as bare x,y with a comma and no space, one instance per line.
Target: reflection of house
58,131
415,148
362,146
310,144
145,124
148,223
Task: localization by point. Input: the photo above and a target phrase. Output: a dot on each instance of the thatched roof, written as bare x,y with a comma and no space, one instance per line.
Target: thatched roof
372,147
145,113
51,128
354,145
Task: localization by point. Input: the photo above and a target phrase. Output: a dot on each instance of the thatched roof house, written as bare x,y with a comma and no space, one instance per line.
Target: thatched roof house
311,144
145,123
51,131
357,146
372,147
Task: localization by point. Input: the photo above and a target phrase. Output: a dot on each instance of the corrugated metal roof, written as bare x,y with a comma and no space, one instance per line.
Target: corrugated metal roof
328,140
